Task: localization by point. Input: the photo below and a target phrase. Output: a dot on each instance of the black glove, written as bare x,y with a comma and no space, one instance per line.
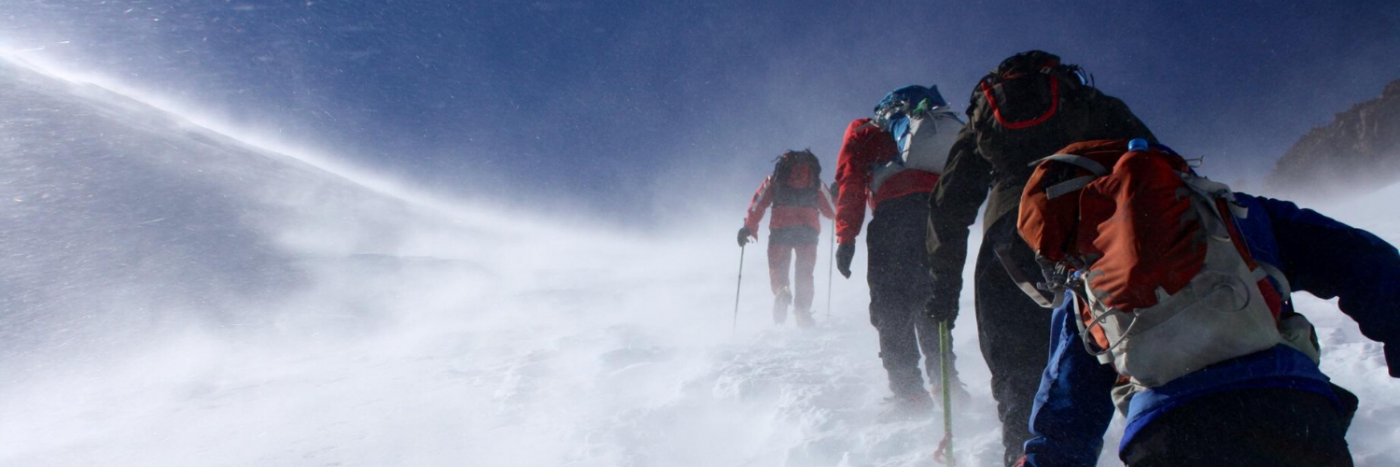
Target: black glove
938,308
744,235
845,252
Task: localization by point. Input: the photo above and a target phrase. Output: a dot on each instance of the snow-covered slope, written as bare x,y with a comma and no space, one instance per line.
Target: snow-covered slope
173,296
109,201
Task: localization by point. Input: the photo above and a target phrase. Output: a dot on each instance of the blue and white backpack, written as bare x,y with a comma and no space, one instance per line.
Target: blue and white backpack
923,125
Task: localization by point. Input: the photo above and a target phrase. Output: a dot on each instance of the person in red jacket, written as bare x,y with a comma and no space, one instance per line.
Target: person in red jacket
796,194
870,171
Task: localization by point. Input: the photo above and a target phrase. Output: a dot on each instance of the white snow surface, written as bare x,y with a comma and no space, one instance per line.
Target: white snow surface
174,296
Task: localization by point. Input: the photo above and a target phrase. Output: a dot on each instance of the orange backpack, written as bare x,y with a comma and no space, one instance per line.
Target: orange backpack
1163,282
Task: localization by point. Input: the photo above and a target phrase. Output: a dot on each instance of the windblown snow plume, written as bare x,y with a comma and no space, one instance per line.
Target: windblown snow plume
171,295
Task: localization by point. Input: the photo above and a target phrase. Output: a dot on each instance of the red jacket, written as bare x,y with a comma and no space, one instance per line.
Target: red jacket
864,147
786,216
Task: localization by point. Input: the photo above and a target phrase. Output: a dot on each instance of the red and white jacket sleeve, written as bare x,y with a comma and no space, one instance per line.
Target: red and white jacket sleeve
762,199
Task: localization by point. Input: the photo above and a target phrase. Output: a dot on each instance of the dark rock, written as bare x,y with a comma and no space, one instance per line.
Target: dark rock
1358,152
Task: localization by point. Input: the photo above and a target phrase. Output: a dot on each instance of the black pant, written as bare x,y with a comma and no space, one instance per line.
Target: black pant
1272,427
1014,333
899,286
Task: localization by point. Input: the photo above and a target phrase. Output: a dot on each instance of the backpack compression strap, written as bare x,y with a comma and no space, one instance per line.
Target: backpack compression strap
1070,186
1019,276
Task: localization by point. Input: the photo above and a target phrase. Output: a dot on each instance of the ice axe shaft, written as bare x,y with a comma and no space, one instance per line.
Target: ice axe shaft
737,287
835,192
944,453
830,265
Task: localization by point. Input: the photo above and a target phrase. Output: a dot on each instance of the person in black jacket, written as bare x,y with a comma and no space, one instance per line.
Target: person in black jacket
1026,109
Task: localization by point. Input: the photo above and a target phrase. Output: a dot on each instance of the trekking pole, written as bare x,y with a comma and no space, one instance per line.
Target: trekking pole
830,265
944,453
737,286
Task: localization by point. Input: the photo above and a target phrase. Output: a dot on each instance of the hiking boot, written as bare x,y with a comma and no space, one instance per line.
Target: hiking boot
906,407
803,319
780,306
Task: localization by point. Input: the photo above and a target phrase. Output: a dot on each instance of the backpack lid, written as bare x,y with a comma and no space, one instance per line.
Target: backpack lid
1026,62
797,169
911,96
1024,90
1048,220
900,103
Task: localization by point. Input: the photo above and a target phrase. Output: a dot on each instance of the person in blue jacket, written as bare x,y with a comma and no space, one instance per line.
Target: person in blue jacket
1268,409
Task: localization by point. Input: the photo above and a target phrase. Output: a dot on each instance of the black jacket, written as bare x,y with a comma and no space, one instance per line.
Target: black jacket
989,156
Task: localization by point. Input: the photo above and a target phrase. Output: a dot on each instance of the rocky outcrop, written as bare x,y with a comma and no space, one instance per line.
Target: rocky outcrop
1358,152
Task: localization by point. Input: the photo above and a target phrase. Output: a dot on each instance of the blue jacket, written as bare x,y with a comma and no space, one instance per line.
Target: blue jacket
1316,254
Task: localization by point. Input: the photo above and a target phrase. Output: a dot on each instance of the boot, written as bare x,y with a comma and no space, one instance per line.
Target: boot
906,407
780,306
803,318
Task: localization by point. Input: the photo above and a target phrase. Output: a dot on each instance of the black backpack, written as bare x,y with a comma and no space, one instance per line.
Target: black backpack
796,179
1028,88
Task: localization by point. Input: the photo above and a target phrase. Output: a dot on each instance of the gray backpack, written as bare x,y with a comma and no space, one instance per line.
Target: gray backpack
925,135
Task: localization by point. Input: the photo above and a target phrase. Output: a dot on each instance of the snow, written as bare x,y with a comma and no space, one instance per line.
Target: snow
176,296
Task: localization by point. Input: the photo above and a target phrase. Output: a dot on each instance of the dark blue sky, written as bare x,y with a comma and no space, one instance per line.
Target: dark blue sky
646,109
